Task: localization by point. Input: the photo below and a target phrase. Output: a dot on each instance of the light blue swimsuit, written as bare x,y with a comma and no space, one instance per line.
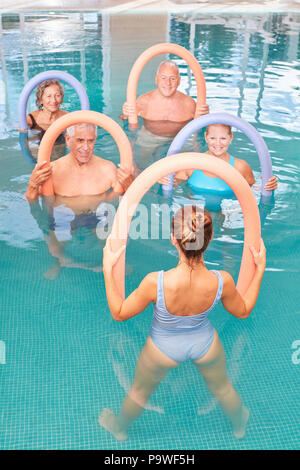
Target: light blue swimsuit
182,337
201,183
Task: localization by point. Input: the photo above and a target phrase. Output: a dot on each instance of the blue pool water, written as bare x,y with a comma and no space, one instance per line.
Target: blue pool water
62,357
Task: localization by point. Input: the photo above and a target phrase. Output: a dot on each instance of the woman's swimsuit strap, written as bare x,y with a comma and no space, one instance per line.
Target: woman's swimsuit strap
35,124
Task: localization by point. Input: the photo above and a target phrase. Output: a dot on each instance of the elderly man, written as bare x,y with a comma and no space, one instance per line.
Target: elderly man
165,109
80,173
81,181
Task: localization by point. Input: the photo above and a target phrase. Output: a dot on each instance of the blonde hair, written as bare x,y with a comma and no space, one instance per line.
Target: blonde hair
224,125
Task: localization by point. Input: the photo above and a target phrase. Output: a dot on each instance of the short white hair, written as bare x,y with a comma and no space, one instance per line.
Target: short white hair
169,63
71,129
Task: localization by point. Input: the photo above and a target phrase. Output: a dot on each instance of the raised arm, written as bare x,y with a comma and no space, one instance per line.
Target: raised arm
202,110
137,301
125,177
120,180
245,169
179,176
128,109
241,306
38,177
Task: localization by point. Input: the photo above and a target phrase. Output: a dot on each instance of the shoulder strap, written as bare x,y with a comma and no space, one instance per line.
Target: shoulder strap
160,289
34,123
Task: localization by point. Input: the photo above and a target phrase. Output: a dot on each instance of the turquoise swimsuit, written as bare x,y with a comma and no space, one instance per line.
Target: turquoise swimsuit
182,337
200,183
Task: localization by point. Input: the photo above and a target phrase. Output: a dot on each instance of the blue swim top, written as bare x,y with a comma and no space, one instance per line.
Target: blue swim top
200,183
166,323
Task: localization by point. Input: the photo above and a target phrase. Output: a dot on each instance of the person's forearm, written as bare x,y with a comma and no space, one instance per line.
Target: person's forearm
32,192
38,214
251,295
179,179
113,297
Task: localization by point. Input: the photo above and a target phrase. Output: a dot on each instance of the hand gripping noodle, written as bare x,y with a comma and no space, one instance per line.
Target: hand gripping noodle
145,57
178,162
224,118
77,117
50,74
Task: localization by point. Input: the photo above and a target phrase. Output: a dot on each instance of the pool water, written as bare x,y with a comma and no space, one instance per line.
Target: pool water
62,357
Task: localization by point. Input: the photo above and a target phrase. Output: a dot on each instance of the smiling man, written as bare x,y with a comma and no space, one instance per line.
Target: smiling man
79,173
165,109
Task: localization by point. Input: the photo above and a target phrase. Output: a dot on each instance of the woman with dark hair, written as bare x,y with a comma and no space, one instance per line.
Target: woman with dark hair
180,330
49,97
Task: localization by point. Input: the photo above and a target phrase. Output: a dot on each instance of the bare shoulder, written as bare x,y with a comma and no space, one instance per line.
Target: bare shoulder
143,101
228,282
145,98
187,100
60,163
104,164
241,165
152,278
35,113
245,169
149,283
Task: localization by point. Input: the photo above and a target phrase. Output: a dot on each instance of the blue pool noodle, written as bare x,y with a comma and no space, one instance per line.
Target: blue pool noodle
230,120
49,74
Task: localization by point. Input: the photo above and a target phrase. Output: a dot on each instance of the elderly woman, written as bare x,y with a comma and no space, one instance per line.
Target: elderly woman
49,97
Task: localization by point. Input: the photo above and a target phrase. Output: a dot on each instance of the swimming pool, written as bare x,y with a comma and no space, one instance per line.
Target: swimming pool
62,357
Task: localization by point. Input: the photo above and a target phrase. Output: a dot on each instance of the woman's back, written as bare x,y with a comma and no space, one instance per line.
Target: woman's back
185,334
189,291
166,323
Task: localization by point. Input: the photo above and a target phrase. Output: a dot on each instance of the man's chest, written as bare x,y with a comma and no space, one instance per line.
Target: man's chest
74,184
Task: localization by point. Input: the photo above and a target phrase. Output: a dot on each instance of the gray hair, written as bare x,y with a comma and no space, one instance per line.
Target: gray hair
169,63
71,129
41,88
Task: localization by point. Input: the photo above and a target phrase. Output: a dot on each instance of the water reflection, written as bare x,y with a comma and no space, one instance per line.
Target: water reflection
240,56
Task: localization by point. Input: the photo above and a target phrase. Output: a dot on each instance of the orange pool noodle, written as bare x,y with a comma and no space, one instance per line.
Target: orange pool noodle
182,161
77,117
146,56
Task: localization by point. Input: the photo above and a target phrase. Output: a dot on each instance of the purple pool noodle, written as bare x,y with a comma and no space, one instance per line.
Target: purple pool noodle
50,74
234,121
